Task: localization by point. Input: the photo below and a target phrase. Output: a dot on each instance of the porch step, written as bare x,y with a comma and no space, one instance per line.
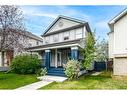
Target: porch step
56,71
57,74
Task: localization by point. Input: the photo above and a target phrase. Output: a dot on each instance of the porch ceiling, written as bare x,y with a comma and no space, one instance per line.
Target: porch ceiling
56,45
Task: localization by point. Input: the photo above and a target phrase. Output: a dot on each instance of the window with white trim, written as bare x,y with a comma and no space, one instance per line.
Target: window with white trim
56,38
29,45
46,40
37,43
78,33
66,35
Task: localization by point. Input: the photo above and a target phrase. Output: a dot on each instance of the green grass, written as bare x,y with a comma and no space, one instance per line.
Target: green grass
102,81
12,81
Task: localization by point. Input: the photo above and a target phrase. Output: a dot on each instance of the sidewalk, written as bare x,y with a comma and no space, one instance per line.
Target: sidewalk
45,80
52,78
35,85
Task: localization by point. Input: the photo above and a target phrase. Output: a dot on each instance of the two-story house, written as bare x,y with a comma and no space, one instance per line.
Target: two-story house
62,40
118,43
32,40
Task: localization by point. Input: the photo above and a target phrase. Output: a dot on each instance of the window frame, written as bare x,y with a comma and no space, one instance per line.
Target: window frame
78,33
56,38
66,35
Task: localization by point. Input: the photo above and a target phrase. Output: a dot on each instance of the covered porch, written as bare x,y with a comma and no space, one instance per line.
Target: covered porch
56,55
54,59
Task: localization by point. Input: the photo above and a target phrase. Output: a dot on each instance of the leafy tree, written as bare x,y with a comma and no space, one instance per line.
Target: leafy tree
88,50
101,51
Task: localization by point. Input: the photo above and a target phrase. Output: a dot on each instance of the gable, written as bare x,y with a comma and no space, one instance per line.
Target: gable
122,21
116,19
62,23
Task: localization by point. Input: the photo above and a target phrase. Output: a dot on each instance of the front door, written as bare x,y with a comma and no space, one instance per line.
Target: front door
59,63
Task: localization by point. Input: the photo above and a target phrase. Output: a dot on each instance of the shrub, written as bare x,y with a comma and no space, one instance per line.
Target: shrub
25,64
41,72
72,68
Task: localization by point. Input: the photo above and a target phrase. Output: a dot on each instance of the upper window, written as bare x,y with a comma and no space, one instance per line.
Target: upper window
29,45
66,35
47,40
37,43
78,33
66,38
56,38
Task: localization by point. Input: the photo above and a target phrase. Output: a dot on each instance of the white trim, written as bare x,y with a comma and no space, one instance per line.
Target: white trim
120,54
63,46
47,50
117,17
74,47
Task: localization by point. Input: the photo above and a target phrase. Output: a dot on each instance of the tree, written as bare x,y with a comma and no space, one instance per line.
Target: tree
88,50
11,30
101,51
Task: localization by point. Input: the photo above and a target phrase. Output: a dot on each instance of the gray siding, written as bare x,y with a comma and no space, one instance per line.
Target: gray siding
59,37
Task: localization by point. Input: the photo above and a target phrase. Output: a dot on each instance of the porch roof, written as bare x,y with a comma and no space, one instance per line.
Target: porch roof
57,45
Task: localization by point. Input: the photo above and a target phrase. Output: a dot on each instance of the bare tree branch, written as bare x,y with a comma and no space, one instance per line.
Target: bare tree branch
12,30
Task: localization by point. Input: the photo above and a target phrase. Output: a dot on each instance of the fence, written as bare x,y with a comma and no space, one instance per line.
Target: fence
100,66
110,65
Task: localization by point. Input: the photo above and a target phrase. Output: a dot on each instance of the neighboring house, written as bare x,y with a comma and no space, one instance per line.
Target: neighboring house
118,43
62,40
32,40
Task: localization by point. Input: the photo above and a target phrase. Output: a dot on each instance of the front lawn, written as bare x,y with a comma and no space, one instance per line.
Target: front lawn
12,81
102,81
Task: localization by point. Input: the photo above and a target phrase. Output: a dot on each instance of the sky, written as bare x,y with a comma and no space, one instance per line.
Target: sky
38,17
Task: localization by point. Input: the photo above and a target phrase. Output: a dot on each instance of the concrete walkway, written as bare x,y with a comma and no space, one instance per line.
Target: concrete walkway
52,78
45,80
35,85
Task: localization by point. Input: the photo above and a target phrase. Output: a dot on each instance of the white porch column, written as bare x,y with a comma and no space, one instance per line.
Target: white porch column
56,58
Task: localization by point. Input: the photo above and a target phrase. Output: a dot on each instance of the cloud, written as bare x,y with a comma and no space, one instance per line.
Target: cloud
37,18
45,15
102,24
53,12
102,29
68,11
42,16
33,11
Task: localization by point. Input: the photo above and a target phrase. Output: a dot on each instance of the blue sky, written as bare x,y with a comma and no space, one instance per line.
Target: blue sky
39,17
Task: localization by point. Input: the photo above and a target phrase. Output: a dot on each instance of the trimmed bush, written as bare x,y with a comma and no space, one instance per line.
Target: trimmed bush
72,68
25,64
